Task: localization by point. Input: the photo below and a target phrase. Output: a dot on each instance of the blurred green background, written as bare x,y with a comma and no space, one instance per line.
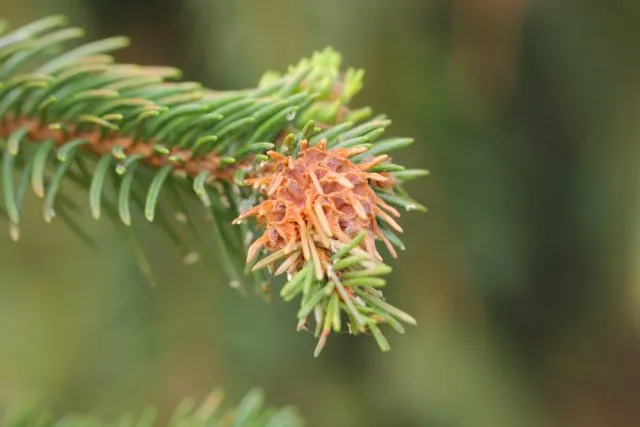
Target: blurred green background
524,276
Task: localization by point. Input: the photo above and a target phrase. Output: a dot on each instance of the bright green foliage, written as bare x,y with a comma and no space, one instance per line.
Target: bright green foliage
143,145
250,412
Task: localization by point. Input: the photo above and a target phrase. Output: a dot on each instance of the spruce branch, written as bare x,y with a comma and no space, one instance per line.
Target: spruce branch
250,412
289,176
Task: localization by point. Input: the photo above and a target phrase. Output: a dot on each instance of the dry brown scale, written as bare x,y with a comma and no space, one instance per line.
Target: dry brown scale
314,200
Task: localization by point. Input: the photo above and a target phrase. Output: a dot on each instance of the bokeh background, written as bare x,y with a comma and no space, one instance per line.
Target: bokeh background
524,276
